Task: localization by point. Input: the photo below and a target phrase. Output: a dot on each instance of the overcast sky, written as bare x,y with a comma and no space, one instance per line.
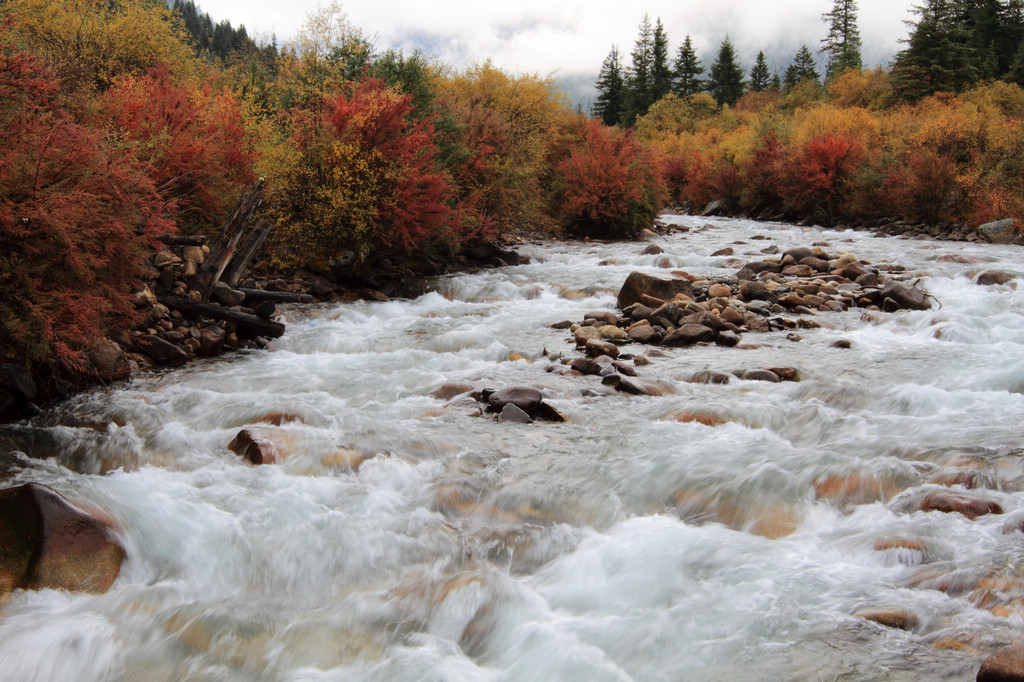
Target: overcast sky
567,38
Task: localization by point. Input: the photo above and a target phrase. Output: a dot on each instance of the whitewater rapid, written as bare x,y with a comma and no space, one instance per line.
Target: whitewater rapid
401,539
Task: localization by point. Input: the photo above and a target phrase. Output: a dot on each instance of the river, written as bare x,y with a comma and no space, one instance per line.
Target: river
401,539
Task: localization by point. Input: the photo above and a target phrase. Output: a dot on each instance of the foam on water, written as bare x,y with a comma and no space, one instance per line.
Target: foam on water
709,532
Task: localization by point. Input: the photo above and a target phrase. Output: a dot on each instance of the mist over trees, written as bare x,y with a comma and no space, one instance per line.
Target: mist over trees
951,46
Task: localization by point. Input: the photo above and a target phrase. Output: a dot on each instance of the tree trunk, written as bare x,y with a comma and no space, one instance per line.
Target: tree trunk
224,248
246,252
253,325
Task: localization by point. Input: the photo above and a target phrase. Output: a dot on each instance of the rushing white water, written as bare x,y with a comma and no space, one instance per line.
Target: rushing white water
403,540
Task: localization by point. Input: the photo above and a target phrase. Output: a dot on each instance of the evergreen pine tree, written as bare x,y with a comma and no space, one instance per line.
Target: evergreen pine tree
842,43
638,76
803,68
939,55
611,89
661,75
760,77
725,79
687,71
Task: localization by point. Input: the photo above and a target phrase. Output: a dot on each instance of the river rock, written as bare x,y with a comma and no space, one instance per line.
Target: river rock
586,366
449,391
798,271
890,618
45,542
610,332
584,334
727,338
708,377
597,347
643,334
906,296
990,277
603,316
759,375
719,290
526,398
999,231
194,254
971,507
652,250
1005,665
108,361
163,352
164,258
637,312
689,335
257,445
225,295
640,287
512,414
211,341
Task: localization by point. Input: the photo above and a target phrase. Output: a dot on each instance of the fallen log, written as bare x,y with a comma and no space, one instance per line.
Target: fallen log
223,249
246,252
251,324
183,239
257,295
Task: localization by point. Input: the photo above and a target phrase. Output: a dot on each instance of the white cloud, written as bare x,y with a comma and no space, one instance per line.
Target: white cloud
573,37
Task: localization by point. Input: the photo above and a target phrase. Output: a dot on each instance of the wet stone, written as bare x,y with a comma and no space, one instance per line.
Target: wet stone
969,506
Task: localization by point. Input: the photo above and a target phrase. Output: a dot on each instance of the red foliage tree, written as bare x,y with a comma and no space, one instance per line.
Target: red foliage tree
194,140
75,213
367,182
817,178
607,185
924,187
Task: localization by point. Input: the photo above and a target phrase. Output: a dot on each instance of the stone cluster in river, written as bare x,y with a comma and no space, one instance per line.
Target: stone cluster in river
777,293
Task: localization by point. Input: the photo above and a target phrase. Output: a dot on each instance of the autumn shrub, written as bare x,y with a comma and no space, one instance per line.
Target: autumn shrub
365,184
193,140
606,184
818,176
924,187
76,214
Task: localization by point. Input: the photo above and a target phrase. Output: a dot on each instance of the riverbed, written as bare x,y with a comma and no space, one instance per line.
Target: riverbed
707,532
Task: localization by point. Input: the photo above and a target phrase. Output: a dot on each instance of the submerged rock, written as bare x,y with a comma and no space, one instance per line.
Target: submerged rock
1005,665
45,542
971,507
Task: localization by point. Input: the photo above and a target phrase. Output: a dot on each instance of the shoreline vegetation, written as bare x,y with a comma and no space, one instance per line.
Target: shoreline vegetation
131,130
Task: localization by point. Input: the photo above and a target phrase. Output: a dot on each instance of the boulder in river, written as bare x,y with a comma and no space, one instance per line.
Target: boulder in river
45,542
905,296
257,444
689,335
969,506
640,287
1005,665
999,231
526,398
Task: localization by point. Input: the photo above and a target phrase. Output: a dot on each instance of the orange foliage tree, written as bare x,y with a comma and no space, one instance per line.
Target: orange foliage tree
75,216
365,184
193,139
606,185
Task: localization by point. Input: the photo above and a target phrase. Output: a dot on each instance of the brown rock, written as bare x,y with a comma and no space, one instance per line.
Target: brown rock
643,334
640,285
760,375
586,366
890,618
165,258
163,352
45,542
717,290
597,347
211,341
277,418
990,277
999,231
798,271
257,445
688,335
709,377
550,413
652,250
971,507
1005,665
526,398
194,254
815,263
727,338
449,391
109,362
906,296
603,316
